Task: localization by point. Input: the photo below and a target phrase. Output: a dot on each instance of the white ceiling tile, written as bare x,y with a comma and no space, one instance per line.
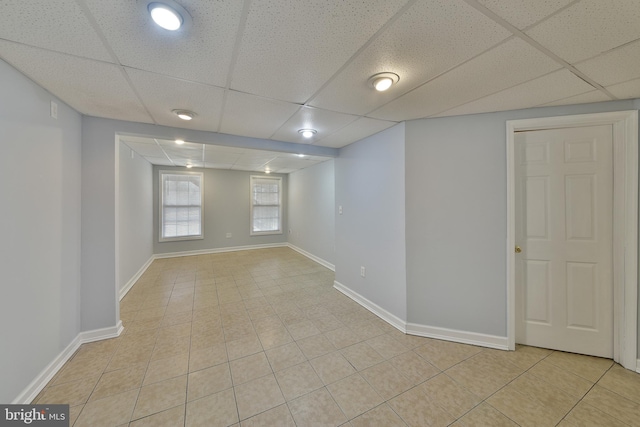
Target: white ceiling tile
626,90
522,13
223,148
246,168
290,48
557,85
137,139
323,121
585,98
218,165
509,64
588,28
613,67
254,116
217,157
455,32
200,53
187,146
163,161
249,161
91,87
163,94
58,25
145,150
359,129
220,157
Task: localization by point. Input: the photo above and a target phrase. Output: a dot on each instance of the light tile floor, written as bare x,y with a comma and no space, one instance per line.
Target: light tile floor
260,338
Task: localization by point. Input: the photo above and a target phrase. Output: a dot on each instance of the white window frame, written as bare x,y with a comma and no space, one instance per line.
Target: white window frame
280,210
161,237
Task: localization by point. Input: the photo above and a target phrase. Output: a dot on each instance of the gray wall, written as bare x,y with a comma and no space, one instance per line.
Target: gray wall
40,228
226,210
370,186
456,217
99,293
312,210
135,209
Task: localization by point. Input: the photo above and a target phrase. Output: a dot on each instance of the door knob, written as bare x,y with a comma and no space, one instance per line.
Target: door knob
518,249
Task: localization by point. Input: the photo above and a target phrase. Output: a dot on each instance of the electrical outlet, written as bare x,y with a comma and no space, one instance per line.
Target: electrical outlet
54,110
340,209
362,272
228,235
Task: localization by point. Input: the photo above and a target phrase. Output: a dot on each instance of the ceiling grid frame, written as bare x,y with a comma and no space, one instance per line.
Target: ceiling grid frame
91,60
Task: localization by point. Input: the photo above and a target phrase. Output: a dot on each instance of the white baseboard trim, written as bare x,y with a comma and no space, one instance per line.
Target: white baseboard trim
464,337
385,315
219,250
39,382
313,257
126,288
638,366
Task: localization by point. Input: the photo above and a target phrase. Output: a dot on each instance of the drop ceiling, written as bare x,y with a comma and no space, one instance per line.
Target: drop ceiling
267,68
167,153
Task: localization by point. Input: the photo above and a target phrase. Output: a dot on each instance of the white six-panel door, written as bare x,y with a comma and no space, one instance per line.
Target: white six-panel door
564,231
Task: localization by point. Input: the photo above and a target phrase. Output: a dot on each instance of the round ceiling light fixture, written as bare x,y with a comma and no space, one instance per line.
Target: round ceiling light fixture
383,81
307,133
179,141
189,165
185,114
165,16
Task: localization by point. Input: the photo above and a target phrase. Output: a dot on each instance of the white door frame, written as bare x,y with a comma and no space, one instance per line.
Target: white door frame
625,223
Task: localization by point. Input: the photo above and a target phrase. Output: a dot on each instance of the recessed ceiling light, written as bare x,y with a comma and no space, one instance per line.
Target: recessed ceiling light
165,16
267,171
307,133
189,165
185,114
179,141
383,81
300,155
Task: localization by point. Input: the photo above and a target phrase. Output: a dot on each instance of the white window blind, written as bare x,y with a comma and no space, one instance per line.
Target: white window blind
181,206
266,205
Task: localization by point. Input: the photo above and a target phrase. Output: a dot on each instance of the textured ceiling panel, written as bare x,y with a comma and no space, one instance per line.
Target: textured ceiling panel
163,161
145,150
456,32
593,96
254,116
523,13
106,59
220,156
214,165
509,64
619,65
361,128
626,90
557,85
323,121
91,87
291,47
163,94
201,52
39,23
588,28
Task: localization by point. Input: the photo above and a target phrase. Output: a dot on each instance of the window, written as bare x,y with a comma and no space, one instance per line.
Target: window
181,205
266,205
